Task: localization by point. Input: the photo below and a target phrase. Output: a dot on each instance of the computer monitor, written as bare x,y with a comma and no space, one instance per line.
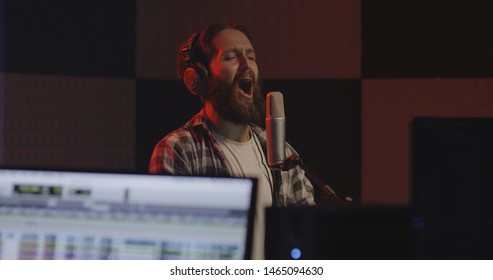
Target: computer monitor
94,215
452,180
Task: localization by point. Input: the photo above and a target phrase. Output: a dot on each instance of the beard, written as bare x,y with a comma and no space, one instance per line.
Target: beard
232,107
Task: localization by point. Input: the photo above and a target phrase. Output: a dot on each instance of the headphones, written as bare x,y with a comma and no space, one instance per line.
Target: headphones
195,72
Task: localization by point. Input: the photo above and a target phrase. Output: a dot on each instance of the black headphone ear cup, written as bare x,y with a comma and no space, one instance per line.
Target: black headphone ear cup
191,79
194,78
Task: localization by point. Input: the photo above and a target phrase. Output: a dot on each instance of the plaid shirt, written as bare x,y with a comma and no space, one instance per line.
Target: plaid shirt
192,150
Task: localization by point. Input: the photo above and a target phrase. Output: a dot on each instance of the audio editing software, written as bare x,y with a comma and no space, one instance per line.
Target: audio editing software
78,218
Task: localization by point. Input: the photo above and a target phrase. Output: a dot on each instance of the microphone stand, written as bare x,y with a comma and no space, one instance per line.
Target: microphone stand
327,192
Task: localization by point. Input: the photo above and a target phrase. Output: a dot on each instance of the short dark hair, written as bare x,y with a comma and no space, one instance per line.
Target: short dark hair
198,47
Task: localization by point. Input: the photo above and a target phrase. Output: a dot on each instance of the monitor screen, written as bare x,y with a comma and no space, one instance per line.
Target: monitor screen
91,215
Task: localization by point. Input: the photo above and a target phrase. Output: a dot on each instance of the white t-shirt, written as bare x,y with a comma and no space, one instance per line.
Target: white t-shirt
247,160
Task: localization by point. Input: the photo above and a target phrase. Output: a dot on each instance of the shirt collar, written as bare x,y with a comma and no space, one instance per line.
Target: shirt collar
202,120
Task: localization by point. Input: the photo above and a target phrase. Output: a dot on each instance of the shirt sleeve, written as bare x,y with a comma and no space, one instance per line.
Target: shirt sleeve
301,189
170,156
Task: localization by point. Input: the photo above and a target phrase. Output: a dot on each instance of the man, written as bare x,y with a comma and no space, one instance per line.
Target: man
218,65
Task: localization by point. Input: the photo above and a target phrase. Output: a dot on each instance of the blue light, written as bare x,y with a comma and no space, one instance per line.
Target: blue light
295,253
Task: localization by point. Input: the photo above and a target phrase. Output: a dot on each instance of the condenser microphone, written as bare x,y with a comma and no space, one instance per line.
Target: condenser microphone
275,125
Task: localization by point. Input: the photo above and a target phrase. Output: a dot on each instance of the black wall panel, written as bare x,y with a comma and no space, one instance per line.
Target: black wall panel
323,124
79,37
161,107
427,38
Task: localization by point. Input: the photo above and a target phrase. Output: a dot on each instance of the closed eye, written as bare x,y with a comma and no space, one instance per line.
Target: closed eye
251,54
229,57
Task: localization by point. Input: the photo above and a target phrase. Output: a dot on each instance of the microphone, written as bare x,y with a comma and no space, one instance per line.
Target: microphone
275,126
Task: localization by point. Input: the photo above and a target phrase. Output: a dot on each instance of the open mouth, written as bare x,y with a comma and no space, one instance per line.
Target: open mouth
246,85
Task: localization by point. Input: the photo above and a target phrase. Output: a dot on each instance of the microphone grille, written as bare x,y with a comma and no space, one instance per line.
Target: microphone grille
275,105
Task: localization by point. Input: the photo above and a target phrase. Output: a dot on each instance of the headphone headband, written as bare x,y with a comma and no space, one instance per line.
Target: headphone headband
194,72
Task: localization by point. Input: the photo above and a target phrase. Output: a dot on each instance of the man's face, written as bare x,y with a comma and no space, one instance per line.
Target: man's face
234,88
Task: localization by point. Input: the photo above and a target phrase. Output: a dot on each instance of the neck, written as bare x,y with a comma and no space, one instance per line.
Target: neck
228,129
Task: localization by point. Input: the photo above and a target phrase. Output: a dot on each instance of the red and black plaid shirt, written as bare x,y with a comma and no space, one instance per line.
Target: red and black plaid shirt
192,150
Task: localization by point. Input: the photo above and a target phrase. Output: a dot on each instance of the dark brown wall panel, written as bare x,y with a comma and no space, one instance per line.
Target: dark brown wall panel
69,122
293,38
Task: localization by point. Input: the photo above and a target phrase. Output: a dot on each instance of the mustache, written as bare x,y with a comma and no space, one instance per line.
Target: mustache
248,74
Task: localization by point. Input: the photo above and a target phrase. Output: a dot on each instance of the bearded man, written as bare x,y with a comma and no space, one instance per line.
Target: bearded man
218,65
